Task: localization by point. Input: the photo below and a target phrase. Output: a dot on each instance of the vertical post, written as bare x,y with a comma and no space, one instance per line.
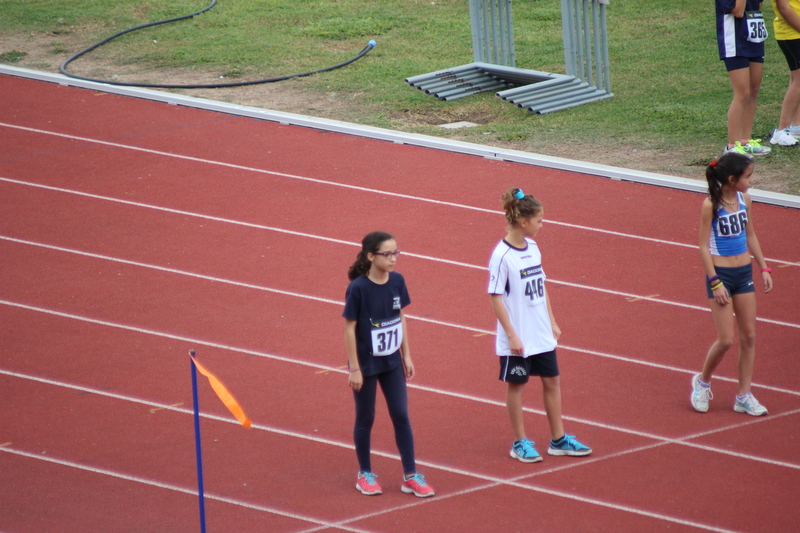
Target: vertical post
604,35
475,18
197,447
586,41
492,31
568,29
512,60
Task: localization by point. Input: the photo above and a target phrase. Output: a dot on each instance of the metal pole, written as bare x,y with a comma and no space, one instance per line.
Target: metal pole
197,448
567,28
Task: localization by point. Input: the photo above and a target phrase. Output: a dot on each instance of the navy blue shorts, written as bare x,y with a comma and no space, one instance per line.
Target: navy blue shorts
738,280
516,369
737,62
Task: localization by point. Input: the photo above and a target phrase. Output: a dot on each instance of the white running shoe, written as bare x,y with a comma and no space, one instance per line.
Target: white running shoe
783,138
700,395
749,405
794,131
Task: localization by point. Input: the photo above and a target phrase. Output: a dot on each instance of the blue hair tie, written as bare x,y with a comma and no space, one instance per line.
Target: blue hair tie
519,195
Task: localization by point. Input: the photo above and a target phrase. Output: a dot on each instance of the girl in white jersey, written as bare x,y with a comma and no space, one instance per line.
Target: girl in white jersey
727,238
527,332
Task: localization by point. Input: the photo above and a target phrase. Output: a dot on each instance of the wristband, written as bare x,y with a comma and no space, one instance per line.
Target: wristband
767,270
717,286
354,370
712,279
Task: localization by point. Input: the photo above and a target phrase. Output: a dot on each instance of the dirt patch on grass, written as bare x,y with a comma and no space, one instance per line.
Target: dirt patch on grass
47,50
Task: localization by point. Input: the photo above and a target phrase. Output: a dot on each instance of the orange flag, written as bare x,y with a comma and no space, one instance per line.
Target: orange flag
226,397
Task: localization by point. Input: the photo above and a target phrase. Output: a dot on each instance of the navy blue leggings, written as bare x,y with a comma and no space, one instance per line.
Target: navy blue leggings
393,385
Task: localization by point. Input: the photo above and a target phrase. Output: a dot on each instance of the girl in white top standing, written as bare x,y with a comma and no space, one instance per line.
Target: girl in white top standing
527,332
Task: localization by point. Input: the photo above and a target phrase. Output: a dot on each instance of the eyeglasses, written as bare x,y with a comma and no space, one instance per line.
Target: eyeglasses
387,255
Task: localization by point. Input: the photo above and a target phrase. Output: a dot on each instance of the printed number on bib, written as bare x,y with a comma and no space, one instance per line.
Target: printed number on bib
732,225
533,278
756,29
387,336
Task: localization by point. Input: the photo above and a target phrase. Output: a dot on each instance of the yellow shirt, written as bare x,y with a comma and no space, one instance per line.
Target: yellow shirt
782,29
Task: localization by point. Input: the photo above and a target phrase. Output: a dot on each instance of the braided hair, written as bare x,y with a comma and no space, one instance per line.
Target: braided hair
717,173
370,244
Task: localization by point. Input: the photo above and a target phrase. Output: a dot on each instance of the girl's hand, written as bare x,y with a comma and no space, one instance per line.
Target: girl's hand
721,295
408,365
766,277
515,344
556,331
356,380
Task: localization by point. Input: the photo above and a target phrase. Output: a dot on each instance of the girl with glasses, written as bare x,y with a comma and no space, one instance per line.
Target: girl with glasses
376,340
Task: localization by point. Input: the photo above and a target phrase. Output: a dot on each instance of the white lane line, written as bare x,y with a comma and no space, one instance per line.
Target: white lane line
493,481
176,488
347,186
222,280
327,301
301,362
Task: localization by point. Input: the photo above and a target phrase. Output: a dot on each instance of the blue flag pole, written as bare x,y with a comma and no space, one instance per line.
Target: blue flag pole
197,445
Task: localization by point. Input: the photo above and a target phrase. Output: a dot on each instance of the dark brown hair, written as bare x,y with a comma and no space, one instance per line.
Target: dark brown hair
370,244
717,174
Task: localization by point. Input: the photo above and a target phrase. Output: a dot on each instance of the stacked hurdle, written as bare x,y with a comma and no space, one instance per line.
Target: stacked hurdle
585,54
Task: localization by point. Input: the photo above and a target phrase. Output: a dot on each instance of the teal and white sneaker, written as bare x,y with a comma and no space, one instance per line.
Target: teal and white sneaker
524,451
783,138
753,147
748,404
794,131
700,395
568,445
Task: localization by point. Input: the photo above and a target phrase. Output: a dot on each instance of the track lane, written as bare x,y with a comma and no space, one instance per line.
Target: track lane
187,135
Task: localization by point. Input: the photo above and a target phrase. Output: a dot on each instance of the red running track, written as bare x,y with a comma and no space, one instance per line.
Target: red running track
132,231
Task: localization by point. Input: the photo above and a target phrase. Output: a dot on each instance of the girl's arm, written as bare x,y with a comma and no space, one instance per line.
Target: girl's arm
739,8
556,329
408,364
356,378
706,219
789,15
514,342
755,247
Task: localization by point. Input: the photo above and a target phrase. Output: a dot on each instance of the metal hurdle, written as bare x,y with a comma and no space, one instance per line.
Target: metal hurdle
585,55
492,31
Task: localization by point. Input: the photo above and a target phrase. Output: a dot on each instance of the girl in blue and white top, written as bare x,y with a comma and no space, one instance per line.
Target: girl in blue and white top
376,340
727,239
527,332
741,33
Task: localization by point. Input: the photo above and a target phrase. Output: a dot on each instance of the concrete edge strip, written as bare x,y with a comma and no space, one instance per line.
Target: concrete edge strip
413,139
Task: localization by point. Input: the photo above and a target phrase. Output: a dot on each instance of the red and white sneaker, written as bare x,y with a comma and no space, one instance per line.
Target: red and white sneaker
416,485
368,484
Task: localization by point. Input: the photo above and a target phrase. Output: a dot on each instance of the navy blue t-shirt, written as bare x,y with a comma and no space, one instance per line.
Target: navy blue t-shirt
376,310
733,33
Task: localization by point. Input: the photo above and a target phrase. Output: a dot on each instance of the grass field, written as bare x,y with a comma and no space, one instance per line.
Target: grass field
667,115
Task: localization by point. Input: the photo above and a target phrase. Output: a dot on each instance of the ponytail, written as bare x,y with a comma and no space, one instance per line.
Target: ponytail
519,205
370,244
717,173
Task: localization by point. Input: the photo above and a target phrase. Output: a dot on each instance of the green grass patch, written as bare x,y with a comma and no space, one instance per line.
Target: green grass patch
670,89
12,57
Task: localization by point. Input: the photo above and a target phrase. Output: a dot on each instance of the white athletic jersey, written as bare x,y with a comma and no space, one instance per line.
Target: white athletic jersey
517,274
